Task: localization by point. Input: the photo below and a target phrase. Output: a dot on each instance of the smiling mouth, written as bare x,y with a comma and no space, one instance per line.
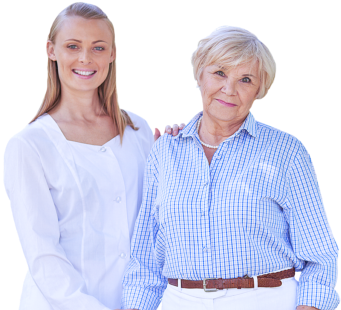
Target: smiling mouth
84,73
228,104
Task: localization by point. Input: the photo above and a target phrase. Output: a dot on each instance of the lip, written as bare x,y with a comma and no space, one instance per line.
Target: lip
84,77
83,69
226,104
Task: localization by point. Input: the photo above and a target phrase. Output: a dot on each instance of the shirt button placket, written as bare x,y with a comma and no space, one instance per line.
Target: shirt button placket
205,221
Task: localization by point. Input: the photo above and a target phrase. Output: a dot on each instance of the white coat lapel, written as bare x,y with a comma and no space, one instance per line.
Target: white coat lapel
58,139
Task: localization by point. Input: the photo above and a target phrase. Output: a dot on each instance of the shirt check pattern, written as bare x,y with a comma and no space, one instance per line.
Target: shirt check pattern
256,209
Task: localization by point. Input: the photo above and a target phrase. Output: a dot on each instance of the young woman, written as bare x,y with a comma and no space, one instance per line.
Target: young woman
74,174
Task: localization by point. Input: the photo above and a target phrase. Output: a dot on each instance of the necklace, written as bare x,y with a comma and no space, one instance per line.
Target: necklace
205,144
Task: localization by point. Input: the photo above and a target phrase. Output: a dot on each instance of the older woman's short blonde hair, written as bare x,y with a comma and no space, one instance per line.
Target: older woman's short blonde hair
230,47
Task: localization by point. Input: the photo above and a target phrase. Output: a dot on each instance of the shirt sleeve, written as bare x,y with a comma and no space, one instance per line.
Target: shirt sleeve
143,283
37,224
311,237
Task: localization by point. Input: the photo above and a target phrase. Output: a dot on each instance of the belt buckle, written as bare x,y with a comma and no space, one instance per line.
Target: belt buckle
209,290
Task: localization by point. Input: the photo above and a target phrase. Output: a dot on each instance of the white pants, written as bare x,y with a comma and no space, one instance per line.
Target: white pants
262,298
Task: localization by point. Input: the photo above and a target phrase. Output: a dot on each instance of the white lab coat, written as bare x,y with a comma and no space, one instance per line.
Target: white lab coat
74,206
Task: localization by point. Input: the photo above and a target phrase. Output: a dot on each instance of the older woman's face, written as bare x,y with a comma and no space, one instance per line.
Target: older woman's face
228,94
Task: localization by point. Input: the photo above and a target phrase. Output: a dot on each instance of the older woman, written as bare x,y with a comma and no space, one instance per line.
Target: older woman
74,175
231,207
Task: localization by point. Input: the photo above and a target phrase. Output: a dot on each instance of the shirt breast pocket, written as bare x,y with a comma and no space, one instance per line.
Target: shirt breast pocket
251,207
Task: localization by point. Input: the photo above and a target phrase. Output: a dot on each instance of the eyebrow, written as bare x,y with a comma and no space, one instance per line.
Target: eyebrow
249,75
81,41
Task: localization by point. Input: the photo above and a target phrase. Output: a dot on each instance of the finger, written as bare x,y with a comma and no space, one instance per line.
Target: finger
157,134
168,129
175,129
182,126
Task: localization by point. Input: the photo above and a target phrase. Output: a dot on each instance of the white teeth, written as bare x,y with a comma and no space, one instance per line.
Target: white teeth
84,72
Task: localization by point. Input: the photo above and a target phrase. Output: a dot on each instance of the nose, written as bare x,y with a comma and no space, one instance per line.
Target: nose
85,57
229,88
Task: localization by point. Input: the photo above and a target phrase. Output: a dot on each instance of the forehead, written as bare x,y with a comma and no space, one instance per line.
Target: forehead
84,29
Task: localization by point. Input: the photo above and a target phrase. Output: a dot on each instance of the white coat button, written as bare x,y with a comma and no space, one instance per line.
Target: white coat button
118,199
123,255
103,149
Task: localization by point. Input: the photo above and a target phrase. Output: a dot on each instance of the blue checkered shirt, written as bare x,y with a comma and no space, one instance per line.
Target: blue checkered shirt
255,209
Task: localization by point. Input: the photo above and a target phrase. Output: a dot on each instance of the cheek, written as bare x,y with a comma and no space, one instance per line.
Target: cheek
248,101
205,95
104,62
104,70
64,61
208,90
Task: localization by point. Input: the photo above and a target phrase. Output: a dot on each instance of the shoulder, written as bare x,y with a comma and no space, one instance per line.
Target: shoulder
22,149
141,124
278,136
285,147
137,120
167,146
33,136
143,134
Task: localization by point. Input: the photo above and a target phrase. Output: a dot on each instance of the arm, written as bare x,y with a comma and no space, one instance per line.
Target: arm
143,283
311,237
37,225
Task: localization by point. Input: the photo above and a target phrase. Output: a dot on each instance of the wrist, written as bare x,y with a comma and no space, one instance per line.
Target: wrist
306,308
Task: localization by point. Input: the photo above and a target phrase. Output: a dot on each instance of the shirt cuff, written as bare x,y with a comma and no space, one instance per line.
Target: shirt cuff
141,299
317,295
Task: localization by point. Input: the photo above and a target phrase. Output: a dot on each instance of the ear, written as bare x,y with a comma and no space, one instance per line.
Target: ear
198,85
256,97
199,76
50,50
113,55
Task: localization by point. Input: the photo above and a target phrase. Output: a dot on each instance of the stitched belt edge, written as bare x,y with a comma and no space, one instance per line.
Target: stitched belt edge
265,280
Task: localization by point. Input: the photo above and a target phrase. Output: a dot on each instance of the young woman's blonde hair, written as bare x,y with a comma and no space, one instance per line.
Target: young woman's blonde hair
230,47
107,91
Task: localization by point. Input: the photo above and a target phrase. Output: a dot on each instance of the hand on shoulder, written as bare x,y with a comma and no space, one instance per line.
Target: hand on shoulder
170,130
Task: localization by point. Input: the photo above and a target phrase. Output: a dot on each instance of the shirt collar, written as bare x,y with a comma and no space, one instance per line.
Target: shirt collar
249,126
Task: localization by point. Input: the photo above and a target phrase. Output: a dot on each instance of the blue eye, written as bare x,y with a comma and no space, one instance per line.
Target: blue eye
72,46
246,80
221,73
99,48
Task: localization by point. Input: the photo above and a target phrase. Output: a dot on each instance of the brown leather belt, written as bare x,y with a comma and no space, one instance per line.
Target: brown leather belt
211,285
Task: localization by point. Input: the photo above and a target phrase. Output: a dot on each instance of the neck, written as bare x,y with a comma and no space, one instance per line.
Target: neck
76,105
213,131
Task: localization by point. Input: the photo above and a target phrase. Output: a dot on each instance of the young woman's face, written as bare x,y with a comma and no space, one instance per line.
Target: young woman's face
83,51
